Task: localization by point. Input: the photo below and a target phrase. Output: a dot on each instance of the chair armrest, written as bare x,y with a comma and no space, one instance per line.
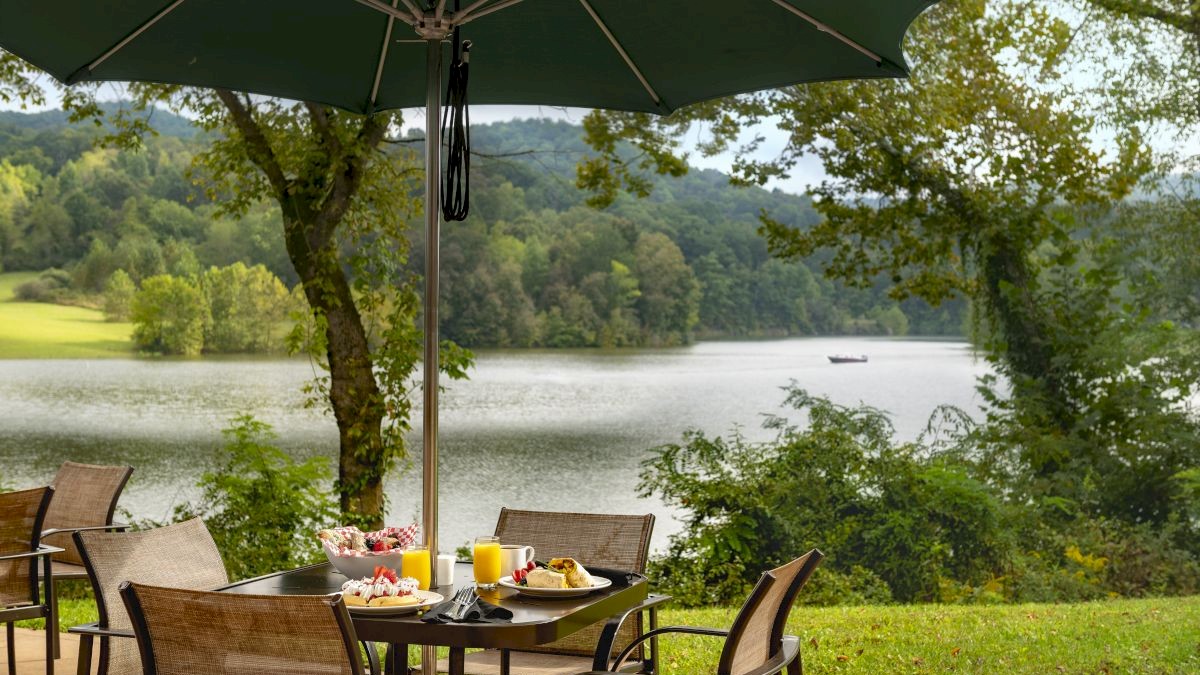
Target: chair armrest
789,652
690,630
609,634
42,550
119,527
94,629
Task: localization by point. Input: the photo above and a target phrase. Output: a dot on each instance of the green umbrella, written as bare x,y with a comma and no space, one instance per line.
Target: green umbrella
367,55
359,54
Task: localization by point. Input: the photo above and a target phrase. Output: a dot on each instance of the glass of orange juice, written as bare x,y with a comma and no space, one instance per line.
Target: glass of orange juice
487,561
415,564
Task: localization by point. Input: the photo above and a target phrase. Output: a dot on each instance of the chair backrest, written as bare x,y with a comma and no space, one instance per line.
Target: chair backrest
757,632
21,515
189,632
602,540
182,555
85,495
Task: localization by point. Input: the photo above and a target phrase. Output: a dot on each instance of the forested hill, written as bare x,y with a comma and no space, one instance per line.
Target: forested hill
532,266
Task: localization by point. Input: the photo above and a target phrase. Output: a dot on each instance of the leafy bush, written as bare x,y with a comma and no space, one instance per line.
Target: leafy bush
261,506
50,286
896,520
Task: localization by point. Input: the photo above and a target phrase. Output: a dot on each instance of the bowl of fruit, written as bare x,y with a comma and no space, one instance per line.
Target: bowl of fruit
356,554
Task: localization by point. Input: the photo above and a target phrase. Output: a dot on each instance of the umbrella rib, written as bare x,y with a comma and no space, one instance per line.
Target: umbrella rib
78,74
621,50
830,30
392,10
467,16
383,52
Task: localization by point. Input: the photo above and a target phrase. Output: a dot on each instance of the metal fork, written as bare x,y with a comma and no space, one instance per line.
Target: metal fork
462,600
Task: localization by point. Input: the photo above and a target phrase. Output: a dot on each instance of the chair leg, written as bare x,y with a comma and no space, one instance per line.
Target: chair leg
12,648
652,658
85,656
372,658
53,618
505,661
51,642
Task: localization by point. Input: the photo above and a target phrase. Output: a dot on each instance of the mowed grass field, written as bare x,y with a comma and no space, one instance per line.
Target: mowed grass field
33,330
1115,636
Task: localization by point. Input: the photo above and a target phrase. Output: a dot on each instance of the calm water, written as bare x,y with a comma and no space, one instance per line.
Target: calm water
560,430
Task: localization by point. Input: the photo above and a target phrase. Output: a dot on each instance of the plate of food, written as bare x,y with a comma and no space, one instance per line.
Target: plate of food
386,594
560,578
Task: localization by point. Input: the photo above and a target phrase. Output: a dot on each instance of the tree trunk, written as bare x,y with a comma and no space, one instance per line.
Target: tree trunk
353,392
1028,350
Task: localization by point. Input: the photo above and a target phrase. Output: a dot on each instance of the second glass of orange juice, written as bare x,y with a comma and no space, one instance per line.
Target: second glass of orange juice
487,561
415,564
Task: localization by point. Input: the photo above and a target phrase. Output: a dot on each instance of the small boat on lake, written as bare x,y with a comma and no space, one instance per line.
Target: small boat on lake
848,358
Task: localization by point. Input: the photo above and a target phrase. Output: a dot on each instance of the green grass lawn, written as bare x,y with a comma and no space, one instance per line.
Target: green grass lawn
30,330
1117,636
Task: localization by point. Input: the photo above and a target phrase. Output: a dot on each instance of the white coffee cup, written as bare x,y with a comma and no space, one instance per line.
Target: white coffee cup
513,557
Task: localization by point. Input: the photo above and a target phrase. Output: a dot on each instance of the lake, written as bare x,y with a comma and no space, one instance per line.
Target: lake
558,430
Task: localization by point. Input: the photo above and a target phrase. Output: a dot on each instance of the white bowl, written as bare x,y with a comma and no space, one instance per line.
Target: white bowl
357,567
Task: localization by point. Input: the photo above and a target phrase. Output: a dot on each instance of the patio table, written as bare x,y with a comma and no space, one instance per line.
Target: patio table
535,621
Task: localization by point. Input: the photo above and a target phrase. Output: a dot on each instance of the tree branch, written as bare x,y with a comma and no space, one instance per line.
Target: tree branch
320,120
1139,9
347,181
258,147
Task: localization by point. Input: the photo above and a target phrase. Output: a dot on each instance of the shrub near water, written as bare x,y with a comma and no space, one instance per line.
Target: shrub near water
899,522
896,521
261,506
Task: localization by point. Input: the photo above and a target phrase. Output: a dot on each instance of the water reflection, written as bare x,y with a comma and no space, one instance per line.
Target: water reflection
561,430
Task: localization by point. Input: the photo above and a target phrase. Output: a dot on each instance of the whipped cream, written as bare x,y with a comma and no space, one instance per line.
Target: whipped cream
367,588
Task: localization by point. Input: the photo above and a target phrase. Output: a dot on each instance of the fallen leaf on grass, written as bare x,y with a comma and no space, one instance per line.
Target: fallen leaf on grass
843,657
918,661
955,651
858,653
813,642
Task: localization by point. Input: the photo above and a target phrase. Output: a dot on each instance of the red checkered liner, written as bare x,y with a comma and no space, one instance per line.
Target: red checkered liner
405,535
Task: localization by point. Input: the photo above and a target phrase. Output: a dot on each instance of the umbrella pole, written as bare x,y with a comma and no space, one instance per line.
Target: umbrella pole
433,203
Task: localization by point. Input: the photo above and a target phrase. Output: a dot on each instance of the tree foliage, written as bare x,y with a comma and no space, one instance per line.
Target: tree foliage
168,314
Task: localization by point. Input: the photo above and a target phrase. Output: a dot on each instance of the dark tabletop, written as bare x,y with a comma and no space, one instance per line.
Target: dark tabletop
535,620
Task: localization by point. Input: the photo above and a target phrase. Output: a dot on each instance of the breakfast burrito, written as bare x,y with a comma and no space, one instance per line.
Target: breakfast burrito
544,578
576,575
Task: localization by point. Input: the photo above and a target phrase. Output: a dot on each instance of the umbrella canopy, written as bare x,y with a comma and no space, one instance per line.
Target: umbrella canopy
359,55
372,55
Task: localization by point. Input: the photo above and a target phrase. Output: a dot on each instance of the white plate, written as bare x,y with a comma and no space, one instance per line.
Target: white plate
428,599
597,584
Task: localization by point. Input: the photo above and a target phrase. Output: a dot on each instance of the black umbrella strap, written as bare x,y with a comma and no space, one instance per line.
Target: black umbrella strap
456,132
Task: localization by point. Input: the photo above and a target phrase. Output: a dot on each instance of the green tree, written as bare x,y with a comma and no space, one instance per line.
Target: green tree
168,315
669,299
118,296
247,304
342,217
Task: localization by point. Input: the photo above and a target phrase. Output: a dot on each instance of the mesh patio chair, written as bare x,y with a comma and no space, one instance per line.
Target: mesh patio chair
182,555
85,498
619,542
21,516
187,632
755,644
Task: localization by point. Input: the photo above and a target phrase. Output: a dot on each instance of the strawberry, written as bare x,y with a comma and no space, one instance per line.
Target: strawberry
385,573
380,546
529,566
